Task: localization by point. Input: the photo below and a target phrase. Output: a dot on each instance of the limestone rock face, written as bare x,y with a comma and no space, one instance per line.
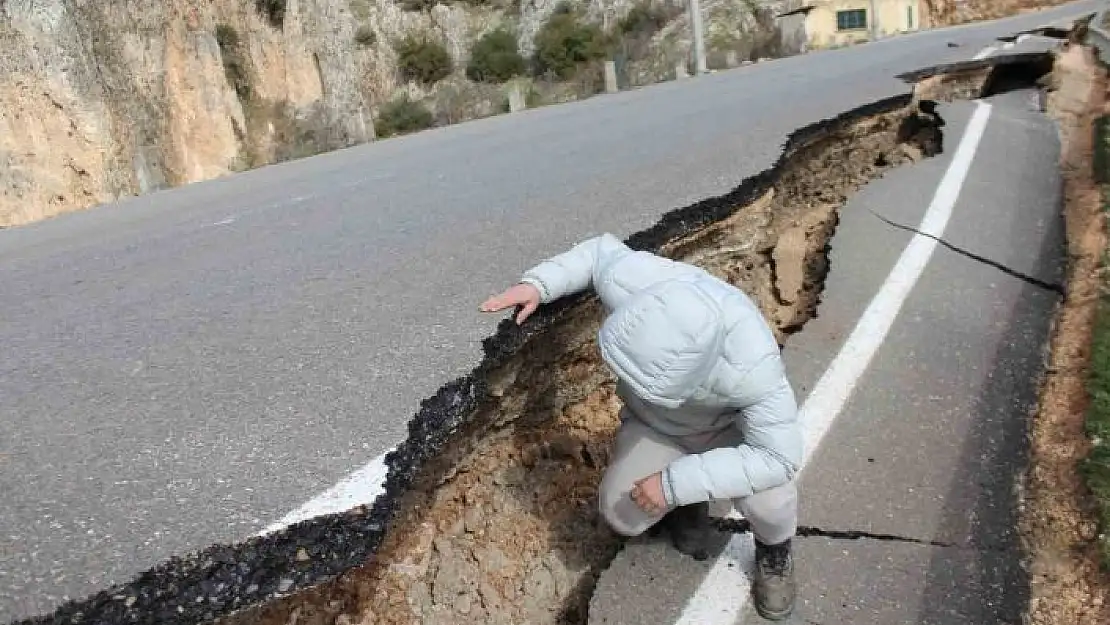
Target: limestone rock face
107,99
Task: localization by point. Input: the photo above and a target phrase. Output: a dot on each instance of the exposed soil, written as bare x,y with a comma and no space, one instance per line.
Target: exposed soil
502,526
1057,518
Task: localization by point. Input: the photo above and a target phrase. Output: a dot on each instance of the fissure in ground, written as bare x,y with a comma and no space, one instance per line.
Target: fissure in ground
502,526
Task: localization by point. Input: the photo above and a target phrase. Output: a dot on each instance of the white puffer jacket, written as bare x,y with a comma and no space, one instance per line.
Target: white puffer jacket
693,355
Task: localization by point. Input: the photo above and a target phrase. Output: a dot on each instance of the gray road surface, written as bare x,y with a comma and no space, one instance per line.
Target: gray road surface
929,446
187,367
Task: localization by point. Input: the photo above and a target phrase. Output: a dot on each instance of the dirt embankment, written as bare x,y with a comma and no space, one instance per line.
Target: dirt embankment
1058,518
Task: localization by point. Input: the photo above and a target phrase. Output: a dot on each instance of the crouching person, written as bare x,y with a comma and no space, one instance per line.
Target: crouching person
708,413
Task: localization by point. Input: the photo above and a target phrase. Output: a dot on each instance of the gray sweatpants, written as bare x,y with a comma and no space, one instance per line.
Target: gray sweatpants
639,451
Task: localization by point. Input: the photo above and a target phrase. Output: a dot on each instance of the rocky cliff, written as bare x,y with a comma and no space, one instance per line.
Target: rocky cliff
100,100
105,99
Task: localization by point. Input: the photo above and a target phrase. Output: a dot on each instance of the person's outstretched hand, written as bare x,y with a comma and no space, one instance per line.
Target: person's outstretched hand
521,294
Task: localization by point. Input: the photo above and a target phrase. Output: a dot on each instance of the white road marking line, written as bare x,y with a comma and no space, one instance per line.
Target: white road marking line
724,592
361,487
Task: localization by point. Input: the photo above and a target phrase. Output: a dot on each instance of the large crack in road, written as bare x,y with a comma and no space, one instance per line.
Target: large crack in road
488,513
501,525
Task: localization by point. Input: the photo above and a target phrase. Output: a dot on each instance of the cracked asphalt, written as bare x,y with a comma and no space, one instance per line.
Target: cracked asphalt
924,459
932,443
187,367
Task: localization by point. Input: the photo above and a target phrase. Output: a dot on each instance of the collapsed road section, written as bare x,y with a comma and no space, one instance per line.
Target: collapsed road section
488,512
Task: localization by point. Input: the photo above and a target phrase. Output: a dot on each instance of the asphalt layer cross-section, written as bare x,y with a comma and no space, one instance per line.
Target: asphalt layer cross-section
187,367
929,446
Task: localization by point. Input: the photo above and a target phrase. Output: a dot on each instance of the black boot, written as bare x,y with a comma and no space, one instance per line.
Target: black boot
774,586
690,529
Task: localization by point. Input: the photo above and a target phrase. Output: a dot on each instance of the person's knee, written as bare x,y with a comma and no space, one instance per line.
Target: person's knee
776,502
772,513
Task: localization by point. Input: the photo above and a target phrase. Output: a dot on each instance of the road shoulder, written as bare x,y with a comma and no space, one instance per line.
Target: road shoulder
1058,524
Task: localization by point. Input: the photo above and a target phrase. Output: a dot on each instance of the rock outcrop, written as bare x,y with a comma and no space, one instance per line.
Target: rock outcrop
107,99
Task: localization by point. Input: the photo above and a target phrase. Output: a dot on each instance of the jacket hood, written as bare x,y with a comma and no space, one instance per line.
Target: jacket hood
664,341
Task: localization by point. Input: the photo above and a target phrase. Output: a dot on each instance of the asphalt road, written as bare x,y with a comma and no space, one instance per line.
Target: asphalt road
187,367
929,446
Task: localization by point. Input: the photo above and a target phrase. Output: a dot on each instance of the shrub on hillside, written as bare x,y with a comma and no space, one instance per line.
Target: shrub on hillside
365,36
495,57
636,29
645,18
236,69
565,42
424,60
402,116
227,37
418,5
502,5
272,10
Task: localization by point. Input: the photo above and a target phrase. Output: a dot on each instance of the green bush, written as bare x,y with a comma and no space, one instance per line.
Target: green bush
644,19
1095,468
637,28
503,5
227,37
272,10
418,5
1099,159
565,42
423,60
402,116
365,36
495,57
236,69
